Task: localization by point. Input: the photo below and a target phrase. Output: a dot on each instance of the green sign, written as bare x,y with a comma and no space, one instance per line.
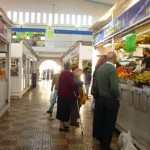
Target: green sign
130,43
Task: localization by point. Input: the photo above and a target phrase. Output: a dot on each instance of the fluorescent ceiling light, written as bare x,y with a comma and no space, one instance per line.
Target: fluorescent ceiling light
124,37
107,45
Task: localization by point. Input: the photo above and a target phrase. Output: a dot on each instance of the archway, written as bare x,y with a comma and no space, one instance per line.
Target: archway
47,68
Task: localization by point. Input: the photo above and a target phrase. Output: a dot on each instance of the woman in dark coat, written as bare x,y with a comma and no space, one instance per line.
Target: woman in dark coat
67,93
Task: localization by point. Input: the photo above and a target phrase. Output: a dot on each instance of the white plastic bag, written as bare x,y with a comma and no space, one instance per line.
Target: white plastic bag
130,146
124,138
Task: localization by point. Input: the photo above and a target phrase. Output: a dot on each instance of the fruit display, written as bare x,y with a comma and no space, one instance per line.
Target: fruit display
143,78
2,74
125,72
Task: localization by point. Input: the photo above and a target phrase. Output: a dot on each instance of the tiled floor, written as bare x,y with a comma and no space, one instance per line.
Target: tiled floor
27,126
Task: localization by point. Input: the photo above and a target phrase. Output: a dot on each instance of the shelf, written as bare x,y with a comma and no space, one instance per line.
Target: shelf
3,39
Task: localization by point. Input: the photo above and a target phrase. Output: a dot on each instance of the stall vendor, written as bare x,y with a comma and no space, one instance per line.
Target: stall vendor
146,55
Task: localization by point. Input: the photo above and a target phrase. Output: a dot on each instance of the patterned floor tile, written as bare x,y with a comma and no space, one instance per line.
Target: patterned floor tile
59,147
27,126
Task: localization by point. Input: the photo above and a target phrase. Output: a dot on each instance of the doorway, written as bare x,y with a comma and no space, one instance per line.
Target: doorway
47,69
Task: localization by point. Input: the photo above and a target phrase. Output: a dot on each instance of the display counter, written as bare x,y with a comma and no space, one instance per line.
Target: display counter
134,114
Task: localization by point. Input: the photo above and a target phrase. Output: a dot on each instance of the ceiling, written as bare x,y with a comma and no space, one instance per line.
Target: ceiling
95,8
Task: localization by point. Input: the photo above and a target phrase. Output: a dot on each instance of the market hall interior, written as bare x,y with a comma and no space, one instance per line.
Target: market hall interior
62,31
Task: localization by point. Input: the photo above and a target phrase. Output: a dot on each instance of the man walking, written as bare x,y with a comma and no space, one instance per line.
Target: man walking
54,83
108,103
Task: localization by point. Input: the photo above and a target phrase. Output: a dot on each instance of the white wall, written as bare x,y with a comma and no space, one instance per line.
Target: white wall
28,53
86,52
16,50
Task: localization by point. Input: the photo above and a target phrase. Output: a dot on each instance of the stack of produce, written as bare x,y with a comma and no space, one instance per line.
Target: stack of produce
2,73
125,73
143,78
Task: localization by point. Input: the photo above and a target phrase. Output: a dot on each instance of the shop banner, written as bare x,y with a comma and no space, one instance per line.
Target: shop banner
138,12
132,16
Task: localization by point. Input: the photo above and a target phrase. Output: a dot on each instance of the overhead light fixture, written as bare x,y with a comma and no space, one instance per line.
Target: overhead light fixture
14,36
124,37
107,45
106,16
133,3
42,38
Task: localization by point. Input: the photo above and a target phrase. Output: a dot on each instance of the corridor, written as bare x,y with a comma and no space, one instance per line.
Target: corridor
27,126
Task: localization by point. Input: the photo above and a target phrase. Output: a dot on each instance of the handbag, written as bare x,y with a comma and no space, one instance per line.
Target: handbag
82,98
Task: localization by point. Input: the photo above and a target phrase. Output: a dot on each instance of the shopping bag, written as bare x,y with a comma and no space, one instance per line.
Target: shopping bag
129,146
82,98
124,138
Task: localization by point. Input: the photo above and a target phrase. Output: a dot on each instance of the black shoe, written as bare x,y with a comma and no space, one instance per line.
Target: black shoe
75,124
49,112
64,129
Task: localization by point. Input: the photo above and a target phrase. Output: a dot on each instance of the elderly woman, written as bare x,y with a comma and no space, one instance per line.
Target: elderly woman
67,93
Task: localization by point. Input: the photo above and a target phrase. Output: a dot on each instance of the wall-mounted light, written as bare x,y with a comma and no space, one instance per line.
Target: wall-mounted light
124,37
14,36
107,45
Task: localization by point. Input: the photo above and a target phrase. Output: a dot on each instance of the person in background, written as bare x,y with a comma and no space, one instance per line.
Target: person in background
87,79
48,73
96,121
107,86
74,110
146,55
54,98
133,65
44,74
67,93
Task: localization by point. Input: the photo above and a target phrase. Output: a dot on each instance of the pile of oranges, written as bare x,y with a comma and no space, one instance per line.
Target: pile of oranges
123,73
2,73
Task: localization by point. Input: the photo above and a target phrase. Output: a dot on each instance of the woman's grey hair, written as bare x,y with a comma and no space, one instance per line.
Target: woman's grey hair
67,66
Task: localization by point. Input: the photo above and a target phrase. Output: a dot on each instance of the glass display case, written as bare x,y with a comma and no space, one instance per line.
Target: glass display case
2,68
14,66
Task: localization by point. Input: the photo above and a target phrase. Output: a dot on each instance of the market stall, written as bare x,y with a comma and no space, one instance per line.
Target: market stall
23,67
127,35
5,36
80,52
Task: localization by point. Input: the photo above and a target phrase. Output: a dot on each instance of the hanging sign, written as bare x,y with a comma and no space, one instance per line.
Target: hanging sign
130,43
49,34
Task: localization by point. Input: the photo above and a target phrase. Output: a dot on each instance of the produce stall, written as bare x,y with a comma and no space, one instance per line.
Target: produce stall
5,36
127,35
